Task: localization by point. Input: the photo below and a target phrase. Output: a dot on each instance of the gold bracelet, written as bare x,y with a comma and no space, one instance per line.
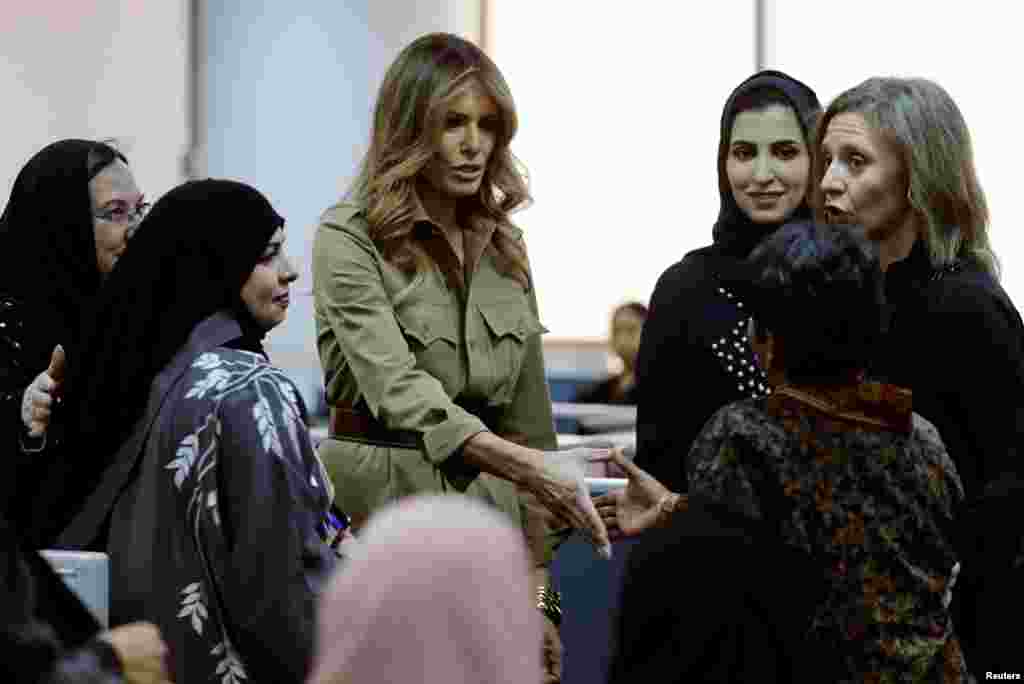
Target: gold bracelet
549,602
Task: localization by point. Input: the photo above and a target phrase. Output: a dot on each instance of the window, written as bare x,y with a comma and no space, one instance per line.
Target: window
619,115
963,51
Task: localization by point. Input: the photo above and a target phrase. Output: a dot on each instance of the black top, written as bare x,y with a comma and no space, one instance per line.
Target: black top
20,343
694,357
955,339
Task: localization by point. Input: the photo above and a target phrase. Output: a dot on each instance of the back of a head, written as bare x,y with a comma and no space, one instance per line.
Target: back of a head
437,590
818,290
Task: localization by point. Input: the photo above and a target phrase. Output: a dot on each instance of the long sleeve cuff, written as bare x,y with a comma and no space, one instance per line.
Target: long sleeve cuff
443,447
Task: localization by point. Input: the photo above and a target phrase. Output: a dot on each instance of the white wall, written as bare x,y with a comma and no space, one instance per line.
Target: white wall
95,70
619,111
969,52
289,89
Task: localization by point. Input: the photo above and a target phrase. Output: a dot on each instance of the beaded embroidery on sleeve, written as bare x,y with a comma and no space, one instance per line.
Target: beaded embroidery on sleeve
737,358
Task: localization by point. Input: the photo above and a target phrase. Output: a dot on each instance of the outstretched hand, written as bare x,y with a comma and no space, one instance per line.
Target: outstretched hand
560,487
630,511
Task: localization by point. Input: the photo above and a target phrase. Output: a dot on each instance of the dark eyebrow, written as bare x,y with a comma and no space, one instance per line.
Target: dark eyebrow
847,148
786,142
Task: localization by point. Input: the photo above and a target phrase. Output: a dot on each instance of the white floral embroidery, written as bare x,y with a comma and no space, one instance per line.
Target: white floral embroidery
222,374
207,361
188,451
211,504
264,416
230,667
293,424
192,607
217,379
186,457
289,393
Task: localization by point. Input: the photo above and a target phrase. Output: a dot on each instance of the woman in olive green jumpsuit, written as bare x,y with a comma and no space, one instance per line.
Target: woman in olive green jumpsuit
426,315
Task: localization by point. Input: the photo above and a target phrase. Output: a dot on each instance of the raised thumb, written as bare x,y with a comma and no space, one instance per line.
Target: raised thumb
56,367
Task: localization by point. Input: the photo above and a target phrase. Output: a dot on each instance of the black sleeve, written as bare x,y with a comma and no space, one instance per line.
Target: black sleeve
986,385
21,359
14,378
664,430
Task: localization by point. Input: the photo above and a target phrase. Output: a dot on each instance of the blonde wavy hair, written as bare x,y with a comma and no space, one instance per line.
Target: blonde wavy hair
923,121
411,104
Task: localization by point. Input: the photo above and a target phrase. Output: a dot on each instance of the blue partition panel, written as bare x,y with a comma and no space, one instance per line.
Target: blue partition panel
590,589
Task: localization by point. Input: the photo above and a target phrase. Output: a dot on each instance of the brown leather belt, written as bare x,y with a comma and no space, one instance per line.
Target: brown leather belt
359,426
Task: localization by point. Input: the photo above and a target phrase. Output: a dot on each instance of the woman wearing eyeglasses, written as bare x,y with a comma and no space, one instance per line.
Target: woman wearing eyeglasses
69,218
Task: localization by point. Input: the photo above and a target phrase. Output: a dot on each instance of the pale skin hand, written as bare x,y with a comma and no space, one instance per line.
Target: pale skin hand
560,486
630,511
142,652
37,401
555,478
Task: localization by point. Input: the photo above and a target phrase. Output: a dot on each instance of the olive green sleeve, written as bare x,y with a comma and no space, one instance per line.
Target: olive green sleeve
350,294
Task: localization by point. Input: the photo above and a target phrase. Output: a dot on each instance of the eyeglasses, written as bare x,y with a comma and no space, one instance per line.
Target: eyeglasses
123,214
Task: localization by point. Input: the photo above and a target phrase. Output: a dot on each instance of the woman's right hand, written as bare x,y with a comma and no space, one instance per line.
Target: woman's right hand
37,400
630,511
558,483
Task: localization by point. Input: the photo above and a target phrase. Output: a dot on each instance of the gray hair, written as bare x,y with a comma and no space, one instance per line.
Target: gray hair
924,123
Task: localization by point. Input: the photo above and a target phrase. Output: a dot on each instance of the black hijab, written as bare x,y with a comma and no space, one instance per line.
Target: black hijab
735,234
49,243
189,259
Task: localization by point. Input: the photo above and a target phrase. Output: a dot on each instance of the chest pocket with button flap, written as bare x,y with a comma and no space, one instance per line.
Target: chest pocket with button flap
510,324
430,331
